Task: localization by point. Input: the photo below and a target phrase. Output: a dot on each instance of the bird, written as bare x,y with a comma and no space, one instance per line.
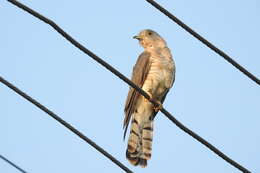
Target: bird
154,72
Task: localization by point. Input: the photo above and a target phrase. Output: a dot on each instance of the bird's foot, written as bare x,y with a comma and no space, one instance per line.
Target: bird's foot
159,107
150,97
156,108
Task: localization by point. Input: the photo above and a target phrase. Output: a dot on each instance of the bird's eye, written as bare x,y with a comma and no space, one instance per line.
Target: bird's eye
149,33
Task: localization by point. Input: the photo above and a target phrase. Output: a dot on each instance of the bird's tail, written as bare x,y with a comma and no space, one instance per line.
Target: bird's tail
139,147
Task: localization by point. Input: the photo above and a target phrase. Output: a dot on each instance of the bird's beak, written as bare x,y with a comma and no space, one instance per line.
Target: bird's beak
137,37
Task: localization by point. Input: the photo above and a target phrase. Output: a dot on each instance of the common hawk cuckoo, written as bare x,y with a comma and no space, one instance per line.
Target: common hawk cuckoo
154,72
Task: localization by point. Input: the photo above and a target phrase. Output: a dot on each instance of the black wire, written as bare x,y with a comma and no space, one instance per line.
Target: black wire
203,40
129,82
64,123
11,163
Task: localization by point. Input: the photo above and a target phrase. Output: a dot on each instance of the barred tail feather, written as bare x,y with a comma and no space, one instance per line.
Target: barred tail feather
140,143
134,143
147,139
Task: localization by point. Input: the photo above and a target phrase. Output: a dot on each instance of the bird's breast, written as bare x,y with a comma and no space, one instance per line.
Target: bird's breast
162,70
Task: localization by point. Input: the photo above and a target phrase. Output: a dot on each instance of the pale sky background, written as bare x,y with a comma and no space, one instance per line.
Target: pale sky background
209,95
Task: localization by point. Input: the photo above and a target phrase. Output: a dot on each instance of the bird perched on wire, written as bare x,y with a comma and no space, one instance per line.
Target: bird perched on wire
154,72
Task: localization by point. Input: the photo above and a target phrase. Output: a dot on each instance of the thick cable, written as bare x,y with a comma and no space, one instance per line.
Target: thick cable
64,123
206,42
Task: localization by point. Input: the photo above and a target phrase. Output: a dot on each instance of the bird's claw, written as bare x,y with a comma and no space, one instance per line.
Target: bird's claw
147,100
156,108
159,107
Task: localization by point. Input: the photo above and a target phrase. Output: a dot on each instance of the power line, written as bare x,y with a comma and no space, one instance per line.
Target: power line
129,82
203,40
11,163
64,123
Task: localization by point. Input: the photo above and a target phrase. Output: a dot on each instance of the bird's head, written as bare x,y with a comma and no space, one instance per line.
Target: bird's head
150,39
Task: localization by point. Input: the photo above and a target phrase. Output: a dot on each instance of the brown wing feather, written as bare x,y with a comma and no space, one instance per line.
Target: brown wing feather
139,75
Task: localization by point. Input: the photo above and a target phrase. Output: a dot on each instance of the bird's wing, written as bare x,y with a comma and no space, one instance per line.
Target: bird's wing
139,75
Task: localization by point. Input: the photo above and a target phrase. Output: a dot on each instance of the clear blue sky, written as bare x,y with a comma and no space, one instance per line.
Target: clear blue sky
209,95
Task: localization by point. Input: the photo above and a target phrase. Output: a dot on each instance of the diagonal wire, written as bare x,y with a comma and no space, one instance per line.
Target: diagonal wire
203,40
129,82
64,123
11,163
